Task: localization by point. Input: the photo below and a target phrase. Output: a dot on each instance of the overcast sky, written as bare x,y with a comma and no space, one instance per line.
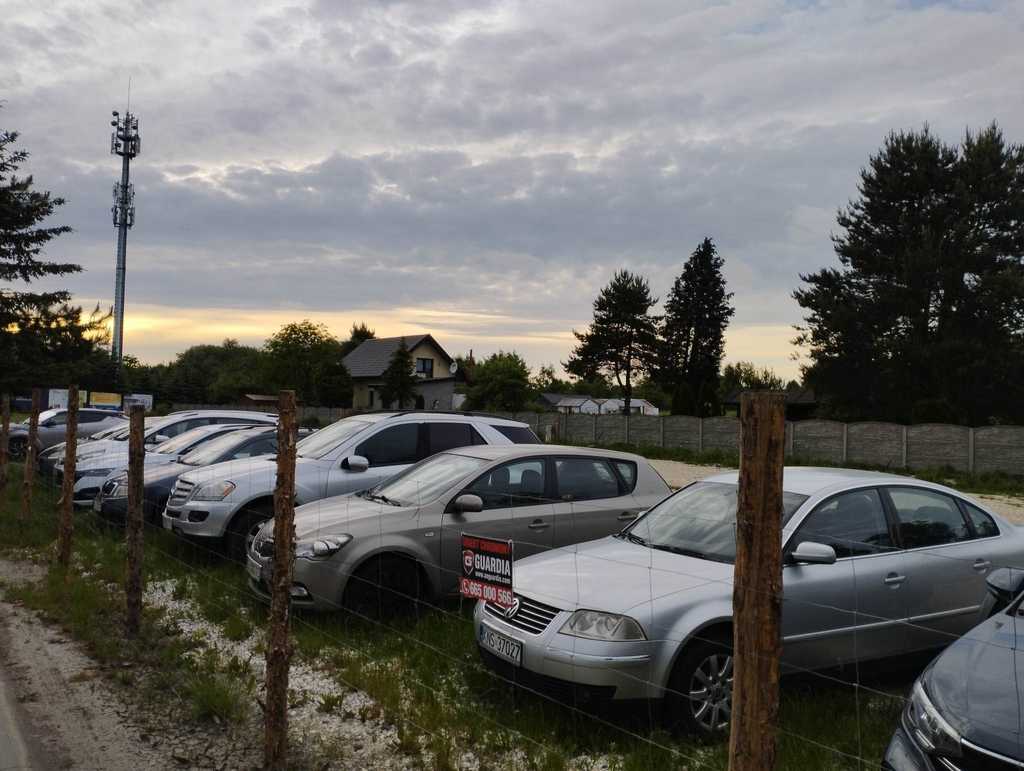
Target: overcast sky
478,169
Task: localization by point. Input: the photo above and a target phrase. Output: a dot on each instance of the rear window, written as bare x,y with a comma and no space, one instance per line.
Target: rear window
518,434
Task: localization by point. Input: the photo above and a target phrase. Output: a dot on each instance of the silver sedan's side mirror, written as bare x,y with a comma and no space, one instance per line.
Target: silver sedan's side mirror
355,463
467,503
813,553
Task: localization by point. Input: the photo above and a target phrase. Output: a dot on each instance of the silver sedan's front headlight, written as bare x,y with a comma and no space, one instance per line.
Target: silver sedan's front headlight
321,548
595,625
934,733
212,491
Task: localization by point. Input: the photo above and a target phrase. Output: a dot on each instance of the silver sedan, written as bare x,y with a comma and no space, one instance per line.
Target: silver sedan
876,565
403,538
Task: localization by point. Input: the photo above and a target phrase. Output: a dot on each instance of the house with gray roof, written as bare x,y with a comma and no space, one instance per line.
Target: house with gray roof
433,369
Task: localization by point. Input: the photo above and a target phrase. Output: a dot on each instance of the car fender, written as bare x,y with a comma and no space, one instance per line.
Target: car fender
687,628
397,544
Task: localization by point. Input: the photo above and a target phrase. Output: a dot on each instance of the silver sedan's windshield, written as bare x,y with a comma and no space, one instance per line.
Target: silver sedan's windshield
326,439
427,479
699,521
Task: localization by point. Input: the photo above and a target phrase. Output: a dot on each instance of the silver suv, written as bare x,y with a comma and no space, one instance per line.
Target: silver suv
228,500
53,428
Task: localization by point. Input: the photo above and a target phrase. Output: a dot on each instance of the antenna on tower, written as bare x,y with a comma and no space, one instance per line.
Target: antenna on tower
126,142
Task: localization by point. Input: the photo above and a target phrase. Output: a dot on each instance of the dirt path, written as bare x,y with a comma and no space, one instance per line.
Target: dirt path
677,474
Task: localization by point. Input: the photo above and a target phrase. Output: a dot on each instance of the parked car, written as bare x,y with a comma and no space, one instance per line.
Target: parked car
96,460
236,443
876,565
53,428
403,537
964,711
47,459
228,500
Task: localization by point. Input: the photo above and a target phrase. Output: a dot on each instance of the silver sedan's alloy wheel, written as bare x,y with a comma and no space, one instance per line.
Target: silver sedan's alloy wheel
711,692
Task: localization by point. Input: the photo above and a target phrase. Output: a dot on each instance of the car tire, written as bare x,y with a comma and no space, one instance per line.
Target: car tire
243,527
699,697
17,448
385,586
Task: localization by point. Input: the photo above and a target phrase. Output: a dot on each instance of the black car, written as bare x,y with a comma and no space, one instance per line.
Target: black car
964,713
242,442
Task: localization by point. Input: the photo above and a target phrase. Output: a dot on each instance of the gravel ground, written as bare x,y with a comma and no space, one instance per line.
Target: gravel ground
677,474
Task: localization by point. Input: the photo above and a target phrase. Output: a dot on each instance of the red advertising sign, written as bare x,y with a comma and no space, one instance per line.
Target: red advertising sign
487,570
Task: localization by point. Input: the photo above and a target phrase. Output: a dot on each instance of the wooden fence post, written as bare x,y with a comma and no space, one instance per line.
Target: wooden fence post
5,437
133,521
30,457
757,583
279,646
67,486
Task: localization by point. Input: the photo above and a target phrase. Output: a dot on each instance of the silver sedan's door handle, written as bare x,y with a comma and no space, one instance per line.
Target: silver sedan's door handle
627,516
894,579
981,565
539,524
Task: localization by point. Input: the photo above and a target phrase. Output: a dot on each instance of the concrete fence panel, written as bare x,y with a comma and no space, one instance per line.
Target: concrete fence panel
579,428
721,434
999,448
611,429
820,440
682,431
875,444
645,430
932,445
547,421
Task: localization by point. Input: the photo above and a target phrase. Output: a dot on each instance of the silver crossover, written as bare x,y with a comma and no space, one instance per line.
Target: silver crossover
876,565
403,538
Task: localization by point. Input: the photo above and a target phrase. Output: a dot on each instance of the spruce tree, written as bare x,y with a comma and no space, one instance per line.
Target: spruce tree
399,386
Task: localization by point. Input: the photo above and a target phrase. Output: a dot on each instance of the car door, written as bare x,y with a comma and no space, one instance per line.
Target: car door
589,499
389,450
853,609
516,508
946,565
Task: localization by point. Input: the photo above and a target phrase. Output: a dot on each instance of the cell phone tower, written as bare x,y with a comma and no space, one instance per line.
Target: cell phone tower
124,141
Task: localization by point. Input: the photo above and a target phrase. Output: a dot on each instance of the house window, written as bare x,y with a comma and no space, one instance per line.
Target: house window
425,367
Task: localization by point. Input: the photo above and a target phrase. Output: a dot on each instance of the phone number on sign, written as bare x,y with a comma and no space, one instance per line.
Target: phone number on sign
487,592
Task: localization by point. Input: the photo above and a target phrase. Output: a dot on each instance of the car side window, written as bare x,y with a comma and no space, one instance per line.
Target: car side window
60,419
984,525
90,416
258,447
516,484
448,436
627,470
393,446
927,518
852,523
584,479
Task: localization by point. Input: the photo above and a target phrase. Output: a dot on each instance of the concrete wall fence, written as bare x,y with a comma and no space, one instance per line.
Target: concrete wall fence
892,445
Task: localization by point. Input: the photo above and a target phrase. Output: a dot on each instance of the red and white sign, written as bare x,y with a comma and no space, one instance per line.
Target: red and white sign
487,570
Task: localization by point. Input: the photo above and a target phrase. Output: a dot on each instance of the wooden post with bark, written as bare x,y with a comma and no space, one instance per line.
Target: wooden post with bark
757,583
133,521
28,480
67,487
279,646
5,438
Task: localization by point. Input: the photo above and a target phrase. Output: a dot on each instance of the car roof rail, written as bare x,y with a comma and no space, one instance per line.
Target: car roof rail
466,413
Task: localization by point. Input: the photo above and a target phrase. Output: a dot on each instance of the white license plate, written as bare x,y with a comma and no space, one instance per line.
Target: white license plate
501,646
252,567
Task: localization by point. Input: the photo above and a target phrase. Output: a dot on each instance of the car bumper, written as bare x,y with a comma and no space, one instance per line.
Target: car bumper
561,666
259,574
200,519
904,753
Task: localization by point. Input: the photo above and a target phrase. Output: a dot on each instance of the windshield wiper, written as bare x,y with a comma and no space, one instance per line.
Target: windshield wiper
688,552
631,537
380,497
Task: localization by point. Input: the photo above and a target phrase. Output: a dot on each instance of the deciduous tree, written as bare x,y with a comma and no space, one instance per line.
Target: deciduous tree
500,382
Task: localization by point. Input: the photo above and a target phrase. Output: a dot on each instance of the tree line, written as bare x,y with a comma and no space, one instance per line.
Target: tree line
922,320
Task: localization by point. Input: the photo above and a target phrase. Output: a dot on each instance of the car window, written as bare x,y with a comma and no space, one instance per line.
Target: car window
852,523
325,440
259,447
927,518
519,483
627,470
91,416
59,419
518,434
448,436
984,526
425,481
392,446
584,479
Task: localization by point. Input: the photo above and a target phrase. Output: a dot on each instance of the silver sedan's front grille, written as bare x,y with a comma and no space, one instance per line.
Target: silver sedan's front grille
531,616
182,489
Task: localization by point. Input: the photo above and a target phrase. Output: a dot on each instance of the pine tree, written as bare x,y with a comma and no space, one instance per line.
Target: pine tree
43,337
399,386
622,340
697,312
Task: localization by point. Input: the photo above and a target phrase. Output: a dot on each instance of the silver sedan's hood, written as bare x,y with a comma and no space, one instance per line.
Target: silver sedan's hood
343,514
617,576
